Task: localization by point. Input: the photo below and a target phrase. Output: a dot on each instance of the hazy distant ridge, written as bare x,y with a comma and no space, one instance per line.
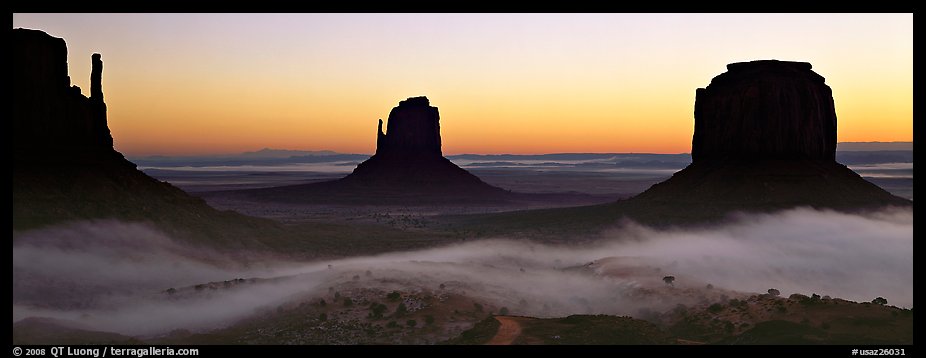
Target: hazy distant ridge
847,153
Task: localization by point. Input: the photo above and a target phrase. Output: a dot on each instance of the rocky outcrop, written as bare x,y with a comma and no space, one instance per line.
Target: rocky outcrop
49,115
407,168
765,110
408,155
65,167
413,130
765,139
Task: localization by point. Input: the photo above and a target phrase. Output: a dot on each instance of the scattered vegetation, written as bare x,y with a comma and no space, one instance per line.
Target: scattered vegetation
401,310
393,296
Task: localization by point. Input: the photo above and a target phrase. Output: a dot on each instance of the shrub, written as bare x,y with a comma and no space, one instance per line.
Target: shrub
429,319
669,280
715,308
323,317
710,287
348,302
411,323
774,292
477,306
393,296
503,311
377,310
322,303
879,301
392,324
401,310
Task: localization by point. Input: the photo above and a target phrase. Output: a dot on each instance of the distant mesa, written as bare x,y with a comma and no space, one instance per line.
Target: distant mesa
765,110
765,138
407,168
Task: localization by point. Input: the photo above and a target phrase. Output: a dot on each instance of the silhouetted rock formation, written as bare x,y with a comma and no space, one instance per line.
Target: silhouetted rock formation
414,130
765,109
409,155
49,114
764,141
65,167
407,168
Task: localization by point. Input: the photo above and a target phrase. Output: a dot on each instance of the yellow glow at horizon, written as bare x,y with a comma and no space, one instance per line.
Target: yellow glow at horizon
532,89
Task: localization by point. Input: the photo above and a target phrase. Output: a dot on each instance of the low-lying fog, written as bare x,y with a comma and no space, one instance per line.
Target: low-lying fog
111,276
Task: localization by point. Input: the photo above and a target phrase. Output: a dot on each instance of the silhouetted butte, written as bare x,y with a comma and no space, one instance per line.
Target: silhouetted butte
65,167
764,140
407,168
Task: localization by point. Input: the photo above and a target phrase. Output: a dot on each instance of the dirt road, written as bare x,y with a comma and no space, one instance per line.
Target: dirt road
507,332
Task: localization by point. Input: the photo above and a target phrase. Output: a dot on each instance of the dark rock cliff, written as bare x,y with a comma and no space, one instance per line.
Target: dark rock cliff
765,110
407,168
765,139
65,167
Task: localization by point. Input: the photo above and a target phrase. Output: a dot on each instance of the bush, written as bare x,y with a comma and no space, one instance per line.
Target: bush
411,323
477,306
392,324
429,319
879,301
710,287
715,308
393,296
442,286
323,317
774,292
503,311
348,302
401,310
322,303
377,310
669,280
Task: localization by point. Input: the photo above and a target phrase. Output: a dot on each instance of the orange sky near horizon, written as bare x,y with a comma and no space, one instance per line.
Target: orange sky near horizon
182,84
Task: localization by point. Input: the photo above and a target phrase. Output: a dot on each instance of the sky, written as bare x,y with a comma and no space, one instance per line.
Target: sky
185,84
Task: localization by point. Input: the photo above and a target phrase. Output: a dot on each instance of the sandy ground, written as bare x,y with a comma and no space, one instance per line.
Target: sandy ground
509,330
